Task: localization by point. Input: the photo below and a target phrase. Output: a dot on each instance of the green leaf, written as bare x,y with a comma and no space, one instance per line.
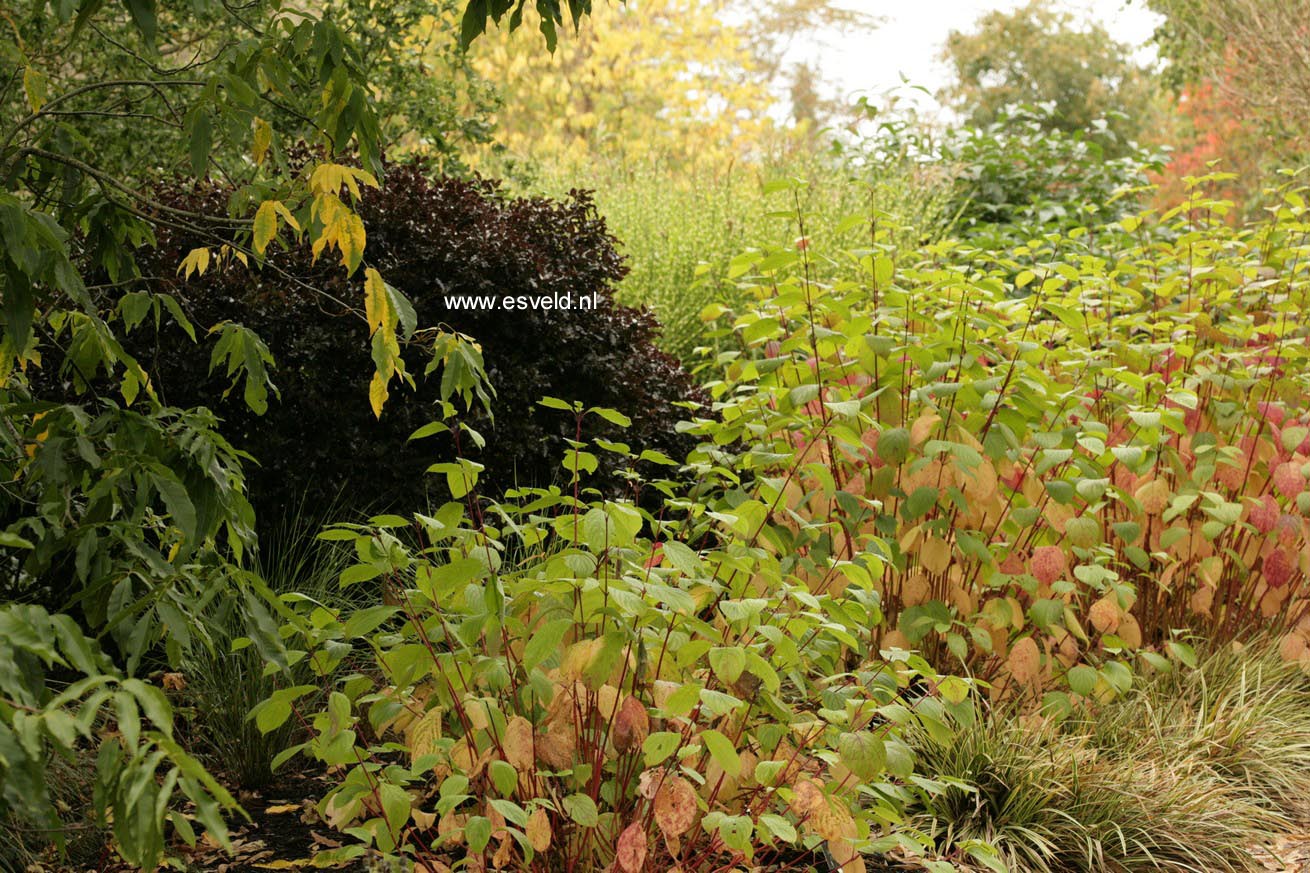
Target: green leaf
777,826
545,640
582,809
477,833
728,662
613,416
659,746
680,702
953,689
919,503
722,751
430,429
1082,679
178,503
503,776
396,805
153,703
143,16
271,715
359,573
474,22
1182,652
35,87
14,541
683,559
863,753
201,138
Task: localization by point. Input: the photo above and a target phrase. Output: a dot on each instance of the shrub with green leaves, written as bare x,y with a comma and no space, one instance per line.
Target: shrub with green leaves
1044,460
1019,177
560,680
142,774
1032,467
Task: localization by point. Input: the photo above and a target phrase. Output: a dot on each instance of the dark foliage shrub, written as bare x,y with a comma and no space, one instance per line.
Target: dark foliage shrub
430,239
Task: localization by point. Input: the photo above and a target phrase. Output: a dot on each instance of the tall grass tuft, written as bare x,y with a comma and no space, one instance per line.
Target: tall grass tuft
223,685
680,229
1242,716
1051,801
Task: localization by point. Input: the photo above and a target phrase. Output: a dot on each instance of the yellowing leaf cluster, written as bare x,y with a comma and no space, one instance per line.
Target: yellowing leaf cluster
666,78
383,319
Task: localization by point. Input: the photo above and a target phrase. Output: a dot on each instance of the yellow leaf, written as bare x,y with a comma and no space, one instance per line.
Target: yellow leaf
935,554
351,240
326,179
377,305
422,734
366,177
196,261
286,215
281,808
518,744
34,86
377,394
265,225
538,829
263,138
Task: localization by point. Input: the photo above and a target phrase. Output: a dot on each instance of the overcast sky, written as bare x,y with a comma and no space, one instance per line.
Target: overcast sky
914,31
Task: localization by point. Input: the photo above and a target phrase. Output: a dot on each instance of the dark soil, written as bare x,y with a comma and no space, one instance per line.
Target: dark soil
283,829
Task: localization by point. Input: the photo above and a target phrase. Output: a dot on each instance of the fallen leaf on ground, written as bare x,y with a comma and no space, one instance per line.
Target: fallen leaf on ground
281,808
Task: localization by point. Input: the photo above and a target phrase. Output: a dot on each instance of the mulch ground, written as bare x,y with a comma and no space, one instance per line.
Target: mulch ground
1291,854
283,829
283,833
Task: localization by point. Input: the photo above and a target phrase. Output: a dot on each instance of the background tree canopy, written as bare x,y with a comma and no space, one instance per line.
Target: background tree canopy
1243,68
685,80
1041,54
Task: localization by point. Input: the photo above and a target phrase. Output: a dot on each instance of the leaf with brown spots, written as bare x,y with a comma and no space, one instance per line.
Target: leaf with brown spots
675,806
631,850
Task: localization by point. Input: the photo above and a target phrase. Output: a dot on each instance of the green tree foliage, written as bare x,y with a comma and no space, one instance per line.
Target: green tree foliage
1040,54
429,98
478,13
126,514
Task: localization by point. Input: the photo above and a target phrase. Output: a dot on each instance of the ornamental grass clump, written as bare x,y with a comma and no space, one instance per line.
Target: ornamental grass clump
1050,800
1242,716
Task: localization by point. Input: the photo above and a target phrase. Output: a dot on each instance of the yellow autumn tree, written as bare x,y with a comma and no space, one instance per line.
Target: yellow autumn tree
674,79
